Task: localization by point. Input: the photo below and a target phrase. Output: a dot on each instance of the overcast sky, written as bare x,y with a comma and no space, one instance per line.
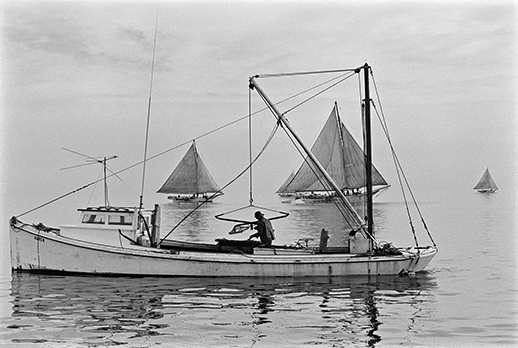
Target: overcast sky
76,74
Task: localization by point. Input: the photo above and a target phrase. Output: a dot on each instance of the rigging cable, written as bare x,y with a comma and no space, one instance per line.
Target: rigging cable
166,151
93,191
397,163
399,172
137,164
397,167
322,91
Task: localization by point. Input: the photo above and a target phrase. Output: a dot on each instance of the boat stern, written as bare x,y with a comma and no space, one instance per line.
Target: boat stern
421,257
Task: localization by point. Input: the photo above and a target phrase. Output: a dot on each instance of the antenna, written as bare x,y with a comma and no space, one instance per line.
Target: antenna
148,116
92,160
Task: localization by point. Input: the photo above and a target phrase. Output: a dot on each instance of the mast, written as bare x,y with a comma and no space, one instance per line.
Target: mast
342,141
196,171
106,204
141,203
368,151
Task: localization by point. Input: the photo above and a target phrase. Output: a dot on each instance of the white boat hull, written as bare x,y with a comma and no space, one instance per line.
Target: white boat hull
35,250
194,200
486,191
324,198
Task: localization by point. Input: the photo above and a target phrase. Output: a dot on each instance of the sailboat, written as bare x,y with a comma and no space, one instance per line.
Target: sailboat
486,184
342,157
191,181
128,241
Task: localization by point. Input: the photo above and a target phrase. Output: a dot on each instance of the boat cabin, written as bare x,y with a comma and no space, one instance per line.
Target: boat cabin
103,224
114,217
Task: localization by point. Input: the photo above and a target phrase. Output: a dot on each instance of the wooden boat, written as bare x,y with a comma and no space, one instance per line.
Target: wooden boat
342,158
486,184
191,181
128,241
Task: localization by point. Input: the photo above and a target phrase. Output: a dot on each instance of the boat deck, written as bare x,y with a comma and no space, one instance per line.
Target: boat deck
247,247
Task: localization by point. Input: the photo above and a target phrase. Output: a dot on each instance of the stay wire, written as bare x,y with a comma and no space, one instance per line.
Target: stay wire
137,164
396,160
166,151
400,179
322,91
94,189
153,157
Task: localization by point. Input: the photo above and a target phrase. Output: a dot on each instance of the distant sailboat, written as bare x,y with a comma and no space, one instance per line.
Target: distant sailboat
486,184
191,181
342,158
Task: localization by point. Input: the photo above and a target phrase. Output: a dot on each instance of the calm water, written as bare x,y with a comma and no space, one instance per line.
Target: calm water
468,297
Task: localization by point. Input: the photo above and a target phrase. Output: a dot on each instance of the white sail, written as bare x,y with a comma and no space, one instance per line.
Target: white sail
191,176
339,154
486,183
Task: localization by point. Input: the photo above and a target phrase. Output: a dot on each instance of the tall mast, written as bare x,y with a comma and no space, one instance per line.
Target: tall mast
148,116
368,151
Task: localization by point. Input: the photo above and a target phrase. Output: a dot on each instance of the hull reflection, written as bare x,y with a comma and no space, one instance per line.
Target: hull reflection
112,311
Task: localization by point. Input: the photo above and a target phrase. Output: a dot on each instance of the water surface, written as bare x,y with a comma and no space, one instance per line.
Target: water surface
468,297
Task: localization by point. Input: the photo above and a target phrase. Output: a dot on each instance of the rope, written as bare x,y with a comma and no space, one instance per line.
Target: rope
399,168
398,172
138,163
172,148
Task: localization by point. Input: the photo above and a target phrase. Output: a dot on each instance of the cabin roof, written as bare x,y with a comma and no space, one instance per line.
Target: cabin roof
108,209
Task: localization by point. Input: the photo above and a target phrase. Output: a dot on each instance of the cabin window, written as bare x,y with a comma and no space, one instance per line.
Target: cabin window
126,219
93,219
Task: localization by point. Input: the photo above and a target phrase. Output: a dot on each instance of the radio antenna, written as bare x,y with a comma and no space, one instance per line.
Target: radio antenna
92,160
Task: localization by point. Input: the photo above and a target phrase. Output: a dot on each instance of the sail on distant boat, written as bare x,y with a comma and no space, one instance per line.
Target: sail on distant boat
283,191
191,181
486,183
342,158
